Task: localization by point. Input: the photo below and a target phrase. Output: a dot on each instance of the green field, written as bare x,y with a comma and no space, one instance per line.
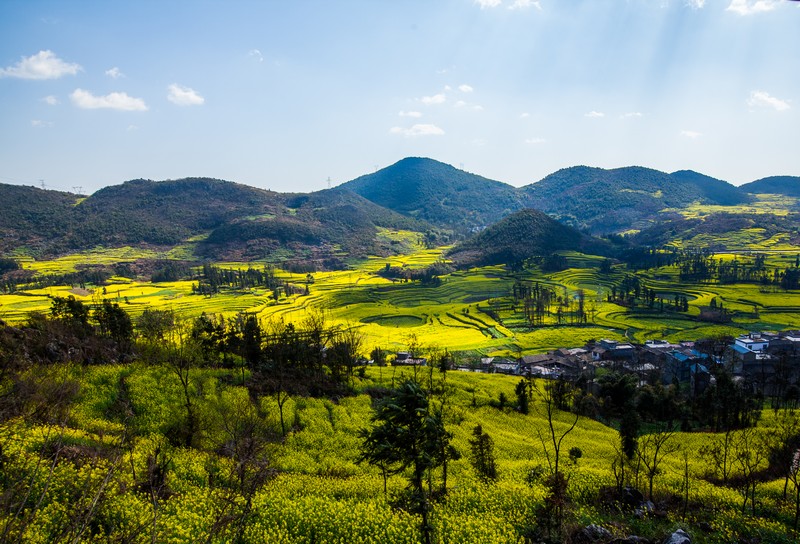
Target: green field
317,491
469,311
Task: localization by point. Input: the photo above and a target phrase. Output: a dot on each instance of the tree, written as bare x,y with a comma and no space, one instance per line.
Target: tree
521,390
653,448
114,322
155,325
482,455
556,501
407,436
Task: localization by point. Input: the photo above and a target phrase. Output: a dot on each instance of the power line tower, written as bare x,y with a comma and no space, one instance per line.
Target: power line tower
329,182
41,182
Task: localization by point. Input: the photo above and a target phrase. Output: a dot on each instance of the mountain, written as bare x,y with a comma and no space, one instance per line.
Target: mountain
623,198
333,221
781,185
32,217
234,221
164,212
438,193
522,235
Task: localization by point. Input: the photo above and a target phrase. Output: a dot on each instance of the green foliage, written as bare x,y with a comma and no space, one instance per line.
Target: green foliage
516,238
583,196
482,454
438,193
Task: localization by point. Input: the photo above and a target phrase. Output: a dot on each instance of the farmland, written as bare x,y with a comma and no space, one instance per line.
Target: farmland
470,311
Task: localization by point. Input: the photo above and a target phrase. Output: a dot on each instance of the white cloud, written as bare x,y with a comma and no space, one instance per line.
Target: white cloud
762,99
750,7
131,128
535,141
465,88
696,4
42,65
484,4
480,142
184,96
112,101
435,99
38,123
463,104
631,115
418,130
691,134
594,114
256,54
524,115
415,114
50,100
114,73
524,4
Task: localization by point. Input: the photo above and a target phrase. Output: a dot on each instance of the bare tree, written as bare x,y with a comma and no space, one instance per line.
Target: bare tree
653,449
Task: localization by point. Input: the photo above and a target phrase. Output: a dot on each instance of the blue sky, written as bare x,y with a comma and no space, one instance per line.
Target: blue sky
284,95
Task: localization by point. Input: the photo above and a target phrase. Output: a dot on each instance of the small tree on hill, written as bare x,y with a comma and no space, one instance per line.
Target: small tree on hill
408,436
482,458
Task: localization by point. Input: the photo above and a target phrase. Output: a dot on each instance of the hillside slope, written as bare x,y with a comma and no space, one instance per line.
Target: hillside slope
623,198
32,216
438,193
780,185
522,235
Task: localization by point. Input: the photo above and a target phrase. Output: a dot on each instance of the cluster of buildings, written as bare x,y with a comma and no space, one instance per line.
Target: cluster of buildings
767,361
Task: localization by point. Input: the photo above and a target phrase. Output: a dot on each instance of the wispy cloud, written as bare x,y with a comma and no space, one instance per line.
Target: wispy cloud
535,141
418,130
114,73
38,123
594,114
524,4
524,115
485,4
256,54
439,98
50,100
762,99
630,115
691,134
112,101
696,4
42,65
750,7
468,105
415,114
465,88
184,96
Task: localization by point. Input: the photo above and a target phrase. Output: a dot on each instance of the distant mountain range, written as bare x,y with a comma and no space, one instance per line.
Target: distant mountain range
229,220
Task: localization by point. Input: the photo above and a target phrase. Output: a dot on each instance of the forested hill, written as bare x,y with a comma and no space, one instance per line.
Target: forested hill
781,185
165,212
623,198
439,193
424,195
32,217
520,236
311,222
236,220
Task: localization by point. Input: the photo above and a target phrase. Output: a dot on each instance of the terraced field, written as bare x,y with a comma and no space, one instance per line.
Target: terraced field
468,311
